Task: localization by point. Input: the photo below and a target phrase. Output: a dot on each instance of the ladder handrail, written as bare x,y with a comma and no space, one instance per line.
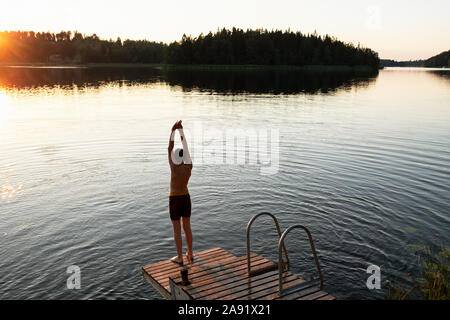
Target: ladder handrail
280,265
281,245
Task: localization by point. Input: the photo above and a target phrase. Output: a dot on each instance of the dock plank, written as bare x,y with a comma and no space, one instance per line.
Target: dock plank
231,281
226,278
221,266
313,296
237,285
228,265
173,269
216,274
168,262
327,297
202,266
265,289
252,285
300,294
220,256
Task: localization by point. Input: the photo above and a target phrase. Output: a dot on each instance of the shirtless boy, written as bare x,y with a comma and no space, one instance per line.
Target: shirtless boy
179,199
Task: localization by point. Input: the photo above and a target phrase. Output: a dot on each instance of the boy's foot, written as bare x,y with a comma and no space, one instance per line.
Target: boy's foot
177,260
189,257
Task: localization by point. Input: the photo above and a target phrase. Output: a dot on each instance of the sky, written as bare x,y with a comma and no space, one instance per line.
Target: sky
396,29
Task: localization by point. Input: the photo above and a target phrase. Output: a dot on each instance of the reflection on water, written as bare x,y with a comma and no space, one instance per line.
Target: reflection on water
84,174
22,77
9,191
442,73
234,82
268,82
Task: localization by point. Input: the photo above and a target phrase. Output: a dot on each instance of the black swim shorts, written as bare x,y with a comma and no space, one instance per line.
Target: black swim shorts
180,206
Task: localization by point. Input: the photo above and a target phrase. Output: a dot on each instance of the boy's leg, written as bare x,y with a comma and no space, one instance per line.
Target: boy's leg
178,242
188,236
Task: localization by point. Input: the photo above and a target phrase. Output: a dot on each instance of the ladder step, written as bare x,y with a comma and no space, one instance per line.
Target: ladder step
263,270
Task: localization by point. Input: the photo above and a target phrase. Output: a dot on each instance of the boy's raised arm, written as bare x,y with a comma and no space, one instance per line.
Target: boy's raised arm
186,154
177,125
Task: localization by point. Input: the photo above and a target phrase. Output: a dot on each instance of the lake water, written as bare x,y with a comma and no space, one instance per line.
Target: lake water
363,162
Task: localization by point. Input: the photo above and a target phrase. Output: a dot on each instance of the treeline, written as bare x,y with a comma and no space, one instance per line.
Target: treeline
439,61
394,63
236,46
262,47
28,46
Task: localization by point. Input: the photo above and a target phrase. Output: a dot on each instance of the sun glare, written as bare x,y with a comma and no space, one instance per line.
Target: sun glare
2,40
5,107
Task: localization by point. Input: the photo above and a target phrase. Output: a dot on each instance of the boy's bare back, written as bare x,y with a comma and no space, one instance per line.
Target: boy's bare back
179,178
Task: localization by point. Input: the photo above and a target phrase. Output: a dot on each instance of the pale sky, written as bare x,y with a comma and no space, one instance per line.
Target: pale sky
396,29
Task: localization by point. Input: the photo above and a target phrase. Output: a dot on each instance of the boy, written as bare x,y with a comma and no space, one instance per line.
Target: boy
179,199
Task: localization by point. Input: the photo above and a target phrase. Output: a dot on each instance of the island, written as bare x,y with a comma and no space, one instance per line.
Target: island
235,48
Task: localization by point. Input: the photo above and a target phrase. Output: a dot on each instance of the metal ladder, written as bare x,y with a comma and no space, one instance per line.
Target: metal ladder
285,264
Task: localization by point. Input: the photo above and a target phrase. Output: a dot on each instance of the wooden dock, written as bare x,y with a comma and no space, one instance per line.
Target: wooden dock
216,274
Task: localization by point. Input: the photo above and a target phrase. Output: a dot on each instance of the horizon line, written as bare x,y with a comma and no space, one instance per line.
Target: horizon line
218,29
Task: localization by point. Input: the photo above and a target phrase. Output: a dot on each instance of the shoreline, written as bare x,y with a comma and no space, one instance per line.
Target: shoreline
207,67
193,67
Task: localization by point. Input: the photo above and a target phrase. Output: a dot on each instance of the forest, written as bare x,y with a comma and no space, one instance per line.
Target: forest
394,63
441,60
224,47
68,47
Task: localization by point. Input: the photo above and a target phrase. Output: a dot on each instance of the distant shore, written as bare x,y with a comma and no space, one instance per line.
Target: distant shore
193,67
227,67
